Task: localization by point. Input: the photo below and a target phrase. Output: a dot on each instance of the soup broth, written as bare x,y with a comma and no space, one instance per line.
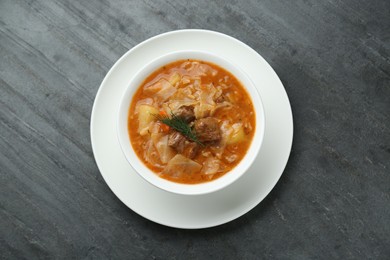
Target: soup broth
191,121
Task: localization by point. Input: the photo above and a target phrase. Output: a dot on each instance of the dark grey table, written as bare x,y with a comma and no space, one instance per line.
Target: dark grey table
333,200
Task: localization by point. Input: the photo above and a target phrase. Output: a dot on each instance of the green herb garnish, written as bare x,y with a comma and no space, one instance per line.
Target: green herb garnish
180,125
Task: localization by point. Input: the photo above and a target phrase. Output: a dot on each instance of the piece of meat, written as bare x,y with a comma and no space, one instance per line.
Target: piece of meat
207,129
182,145
176,140
191,149
186,113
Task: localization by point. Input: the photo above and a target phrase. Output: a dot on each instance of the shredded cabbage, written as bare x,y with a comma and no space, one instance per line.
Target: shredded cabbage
179,165
211,166
160,141
150,154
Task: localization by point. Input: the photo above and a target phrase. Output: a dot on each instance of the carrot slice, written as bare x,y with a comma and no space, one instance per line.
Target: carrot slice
163,113
163,127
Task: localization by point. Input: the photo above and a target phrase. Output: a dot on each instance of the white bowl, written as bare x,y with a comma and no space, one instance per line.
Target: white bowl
189,189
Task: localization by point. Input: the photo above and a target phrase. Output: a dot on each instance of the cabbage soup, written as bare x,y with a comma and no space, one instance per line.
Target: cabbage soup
191,121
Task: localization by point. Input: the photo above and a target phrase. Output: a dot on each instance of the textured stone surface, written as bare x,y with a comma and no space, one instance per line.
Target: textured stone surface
333,200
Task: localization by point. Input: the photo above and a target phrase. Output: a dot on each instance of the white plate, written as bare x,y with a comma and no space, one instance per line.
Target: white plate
205,210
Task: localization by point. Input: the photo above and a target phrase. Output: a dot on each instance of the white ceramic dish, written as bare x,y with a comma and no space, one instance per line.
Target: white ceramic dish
204,210
150,176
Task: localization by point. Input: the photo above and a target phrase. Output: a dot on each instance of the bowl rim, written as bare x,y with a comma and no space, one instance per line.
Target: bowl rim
179,188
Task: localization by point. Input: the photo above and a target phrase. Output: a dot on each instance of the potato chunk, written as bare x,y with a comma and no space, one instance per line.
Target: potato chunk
145,117
238,134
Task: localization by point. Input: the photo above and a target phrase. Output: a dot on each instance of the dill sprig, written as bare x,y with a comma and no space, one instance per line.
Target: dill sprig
179,124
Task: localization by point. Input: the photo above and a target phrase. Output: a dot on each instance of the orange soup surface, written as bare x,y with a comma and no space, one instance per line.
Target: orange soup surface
191,121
